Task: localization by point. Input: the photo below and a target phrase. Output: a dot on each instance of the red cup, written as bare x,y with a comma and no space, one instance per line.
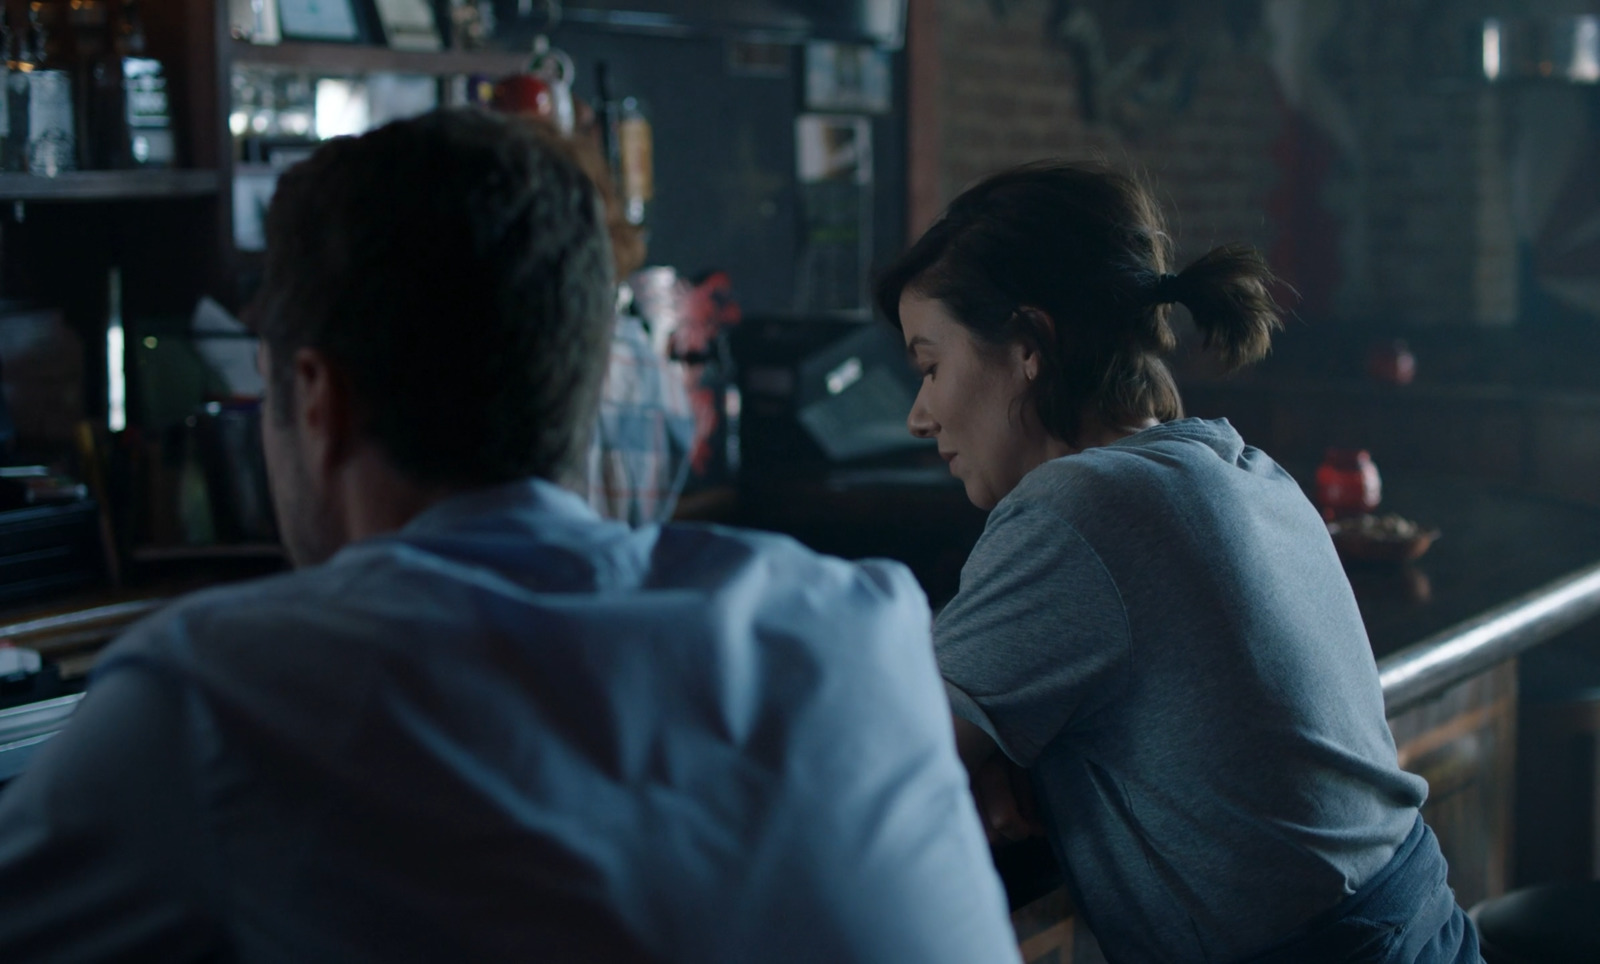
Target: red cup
1347,483
527,95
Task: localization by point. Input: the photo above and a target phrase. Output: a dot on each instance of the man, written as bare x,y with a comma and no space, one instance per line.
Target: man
479,723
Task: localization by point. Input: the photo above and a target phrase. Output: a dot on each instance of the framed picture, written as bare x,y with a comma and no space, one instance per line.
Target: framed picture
319,20
847,77
409,25
254,20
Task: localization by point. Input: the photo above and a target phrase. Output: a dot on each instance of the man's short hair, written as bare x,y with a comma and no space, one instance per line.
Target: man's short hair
455,266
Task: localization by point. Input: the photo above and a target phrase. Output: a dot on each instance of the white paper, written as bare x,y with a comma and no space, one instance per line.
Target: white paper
833,148
252,192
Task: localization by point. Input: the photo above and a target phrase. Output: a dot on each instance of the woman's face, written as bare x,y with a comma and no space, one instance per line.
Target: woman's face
973,402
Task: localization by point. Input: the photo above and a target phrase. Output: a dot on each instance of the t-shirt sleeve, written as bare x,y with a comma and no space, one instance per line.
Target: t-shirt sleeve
101,838
1037,638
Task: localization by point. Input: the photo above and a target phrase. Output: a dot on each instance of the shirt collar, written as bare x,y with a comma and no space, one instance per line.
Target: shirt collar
526,496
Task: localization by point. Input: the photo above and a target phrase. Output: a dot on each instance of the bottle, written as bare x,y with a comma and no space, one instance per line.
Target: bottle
138,129
5,92
636,157
603,111
101,81
116,355
19,62
467,28
52,138
94,78
194,495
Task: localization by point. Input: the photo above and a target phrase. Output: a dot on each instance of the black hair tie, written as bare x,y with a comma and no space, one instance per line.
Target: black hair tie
1165,291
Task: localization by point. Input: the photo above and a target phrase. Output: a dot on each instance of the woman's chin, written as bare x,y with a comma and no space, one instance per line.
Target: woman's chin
979,495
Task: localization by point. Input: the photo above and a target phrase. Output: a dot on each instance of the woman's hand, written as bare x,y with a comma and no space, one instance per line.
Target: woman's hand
1000,788
1005,801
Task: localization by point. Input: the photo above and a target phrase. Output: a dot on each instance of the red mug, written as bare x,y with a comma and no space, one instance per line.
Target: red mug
1348,483
528,95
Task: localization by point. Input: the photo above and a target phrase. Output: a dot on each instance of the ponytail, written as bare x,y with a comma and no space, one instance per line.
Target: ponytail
1226,292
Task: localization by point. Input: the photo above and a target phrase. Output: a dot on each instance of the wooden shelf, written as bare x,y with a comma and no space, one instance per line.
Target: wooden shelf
362,59
108,185
209,553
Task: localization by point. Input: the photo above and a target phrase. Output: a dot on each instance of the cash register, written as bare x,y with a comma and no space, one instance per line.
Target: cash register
827,457
827,397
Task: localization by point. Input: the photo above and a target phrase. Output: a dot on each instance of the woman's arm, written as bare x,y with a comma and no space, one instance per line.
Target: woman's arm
974,745
1000,788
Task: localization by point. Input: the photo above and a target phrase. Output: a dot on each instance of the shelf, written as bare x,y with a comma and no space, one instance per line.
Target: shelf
361,58
217,552
108,185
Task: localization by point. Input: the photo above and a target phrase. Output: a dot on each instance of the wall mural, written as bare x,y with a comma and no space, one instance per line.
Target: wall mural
1136,61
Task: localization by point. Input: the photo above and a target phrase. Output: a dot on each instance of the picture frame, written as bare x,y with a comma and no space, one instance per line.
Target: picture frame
409,24
850,78
326,20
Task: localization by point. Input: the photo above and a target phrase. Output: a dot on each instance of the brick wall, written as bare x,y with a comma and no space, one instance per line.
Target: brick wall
1405,220
1006,95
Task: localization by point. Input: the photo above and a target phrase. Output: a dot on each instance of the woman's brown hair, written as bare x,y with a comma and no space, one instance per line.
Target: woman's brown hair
1073,261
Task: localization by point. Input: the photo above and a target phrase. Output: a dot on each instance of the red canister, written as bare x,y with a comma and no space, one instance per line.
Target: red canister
1347,483
1392,363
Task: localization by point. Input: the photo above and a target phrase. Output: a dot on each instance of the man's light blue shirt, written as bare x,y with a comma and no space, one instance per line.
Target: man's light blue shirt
513,731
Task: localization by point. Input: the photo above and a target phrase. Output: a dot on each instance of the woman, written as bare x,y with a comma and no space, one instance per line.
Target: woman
645,428
1154,624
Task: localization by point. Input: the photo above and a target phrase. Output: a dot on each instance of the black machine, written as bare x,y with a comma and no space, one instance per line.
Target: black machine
818,395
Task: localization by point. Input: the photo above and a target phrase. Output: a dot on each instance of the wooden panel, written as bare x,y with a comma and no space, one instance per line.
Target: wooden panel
1464,744
1558,793
1044,929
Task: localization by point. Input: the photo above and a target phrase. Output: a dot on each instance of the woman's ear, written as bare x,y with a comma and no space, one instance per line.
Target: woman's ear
1039,330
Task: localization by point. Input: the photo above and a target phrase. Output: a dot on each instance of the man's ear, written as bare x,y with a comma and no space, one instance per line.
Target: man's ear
324,409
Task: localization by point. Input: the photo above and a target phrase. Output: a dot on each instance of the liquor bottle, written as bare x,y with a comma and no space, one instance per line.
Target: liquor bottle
603,114
52,137
5,91
19,61
101,81
136,127
636,157
89,36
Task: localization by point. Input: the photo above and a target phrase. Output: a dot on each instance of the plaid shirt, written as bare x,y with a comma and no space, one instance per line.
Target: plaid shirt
639,458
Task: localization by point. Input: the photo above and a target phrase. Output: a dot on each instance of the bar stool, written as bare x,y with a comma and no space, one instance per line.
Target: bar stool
1547,924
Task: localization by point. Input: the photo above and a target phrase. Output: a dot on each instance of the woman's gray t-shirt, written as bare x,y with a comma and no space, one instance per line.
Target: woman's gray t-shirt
1160,630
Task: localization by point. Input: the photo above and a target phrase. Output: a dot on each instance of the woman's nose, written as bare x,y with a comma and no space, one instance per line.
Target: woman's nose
920,422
